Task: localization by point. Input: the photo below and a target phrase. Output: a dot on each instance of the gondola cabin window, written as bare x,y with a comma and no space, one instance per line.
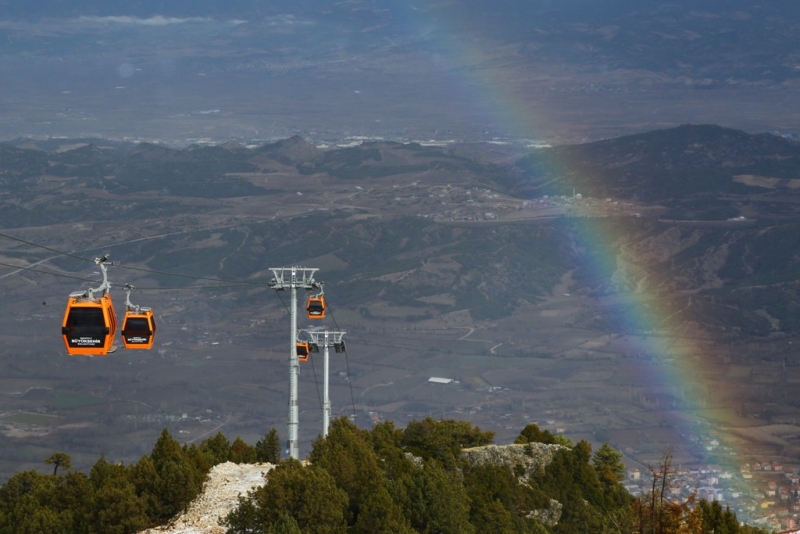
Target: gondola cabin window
86,327
315,307
138,330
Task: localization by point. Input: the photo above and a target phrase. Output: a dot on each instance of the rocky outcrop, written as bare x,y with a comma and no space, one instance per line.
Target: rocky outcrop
227,481
220,496
525,460
548,516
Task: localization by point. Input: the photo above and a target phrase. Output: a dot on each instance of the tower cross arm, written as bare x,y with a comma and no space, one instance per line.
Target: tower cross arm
293,277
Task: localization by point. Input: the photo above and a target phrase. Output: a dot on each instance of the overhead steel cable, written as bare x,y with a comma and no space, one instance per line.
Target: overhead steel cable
20,267
347,361
234,283
316,382
140,269
61,252
91,281
314,369
205,278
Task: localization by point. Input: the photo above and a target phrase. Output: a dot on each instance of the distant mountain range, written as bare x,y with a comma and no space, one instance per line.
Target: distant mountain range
674,165
725,239
443,261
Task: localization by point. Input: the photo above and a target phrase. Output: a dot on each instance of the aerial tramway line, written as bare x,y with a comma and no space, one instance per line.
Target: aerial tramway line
90,322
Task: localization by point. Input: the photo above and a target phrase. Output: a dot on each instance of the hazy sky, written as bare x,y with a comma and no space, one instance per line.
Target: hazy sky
470,66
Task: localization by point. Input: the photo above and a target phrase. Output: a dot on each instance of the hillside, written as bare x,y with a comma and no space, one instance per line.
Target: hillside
437,262
228,481
675,165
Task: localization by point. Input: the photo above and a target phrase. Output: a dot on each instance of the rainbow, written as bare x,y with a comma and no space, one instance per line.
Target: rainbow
676,359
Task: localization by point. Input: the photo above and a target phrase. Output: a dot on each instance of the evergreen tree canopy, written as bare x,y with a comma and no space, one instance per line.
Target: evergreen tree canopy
443,440
383,480
268,448
608,464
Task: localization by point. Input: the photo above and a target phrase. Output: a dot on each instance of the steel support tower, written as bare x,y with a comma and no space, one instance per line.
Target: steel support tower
326,339
293,278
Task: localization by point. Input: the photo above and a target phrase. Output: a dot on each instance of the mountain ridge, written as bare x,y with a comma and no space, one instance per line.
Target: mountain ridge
435,266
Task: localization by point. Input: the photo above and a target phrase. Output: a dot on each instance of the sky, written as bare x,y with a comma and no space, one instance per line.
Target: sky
566,71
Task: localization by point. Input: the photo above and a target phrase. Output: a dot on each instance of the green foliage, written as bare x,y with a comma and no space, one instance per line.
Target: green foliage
496,495
177,481
285,524
25,504
380,513
608,464
532,434
76,498
716,520
114,498
143,477
217,449
59,459
242,453
443,440
268,448
366,482
347,455
440,502
572,480
383,490
119,509
308,494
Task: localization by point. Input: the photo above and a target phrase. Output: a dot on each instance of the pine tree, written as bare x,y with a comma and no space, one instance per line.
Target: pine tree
308,494
217,449
440,502
25,504
379,513
285,524
119,510
59,459
241,452
443,440
608,463
268,449
347,455
177,481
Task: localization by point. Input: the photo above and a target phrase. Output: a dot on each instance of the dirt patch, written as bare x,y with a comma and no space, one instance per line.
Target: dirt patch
220,496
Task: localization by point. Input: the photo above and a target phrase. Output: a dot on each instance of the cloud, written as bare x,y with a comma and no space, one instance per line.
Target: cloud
156,20
93,23
287,20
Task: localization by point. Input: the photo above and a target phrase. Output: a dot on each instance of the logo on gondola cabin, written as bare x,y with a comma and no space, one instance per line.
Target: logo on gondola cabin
86,342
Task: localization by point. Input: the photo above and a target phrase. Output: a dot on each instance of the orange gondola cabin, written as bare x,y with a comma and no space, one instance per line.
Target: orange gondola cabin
303,350
89,325
139,329
315,307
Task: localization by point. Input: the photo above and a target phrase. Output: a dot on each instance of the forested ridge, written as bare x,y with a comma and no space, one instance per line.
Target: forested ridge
120,499
417,479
